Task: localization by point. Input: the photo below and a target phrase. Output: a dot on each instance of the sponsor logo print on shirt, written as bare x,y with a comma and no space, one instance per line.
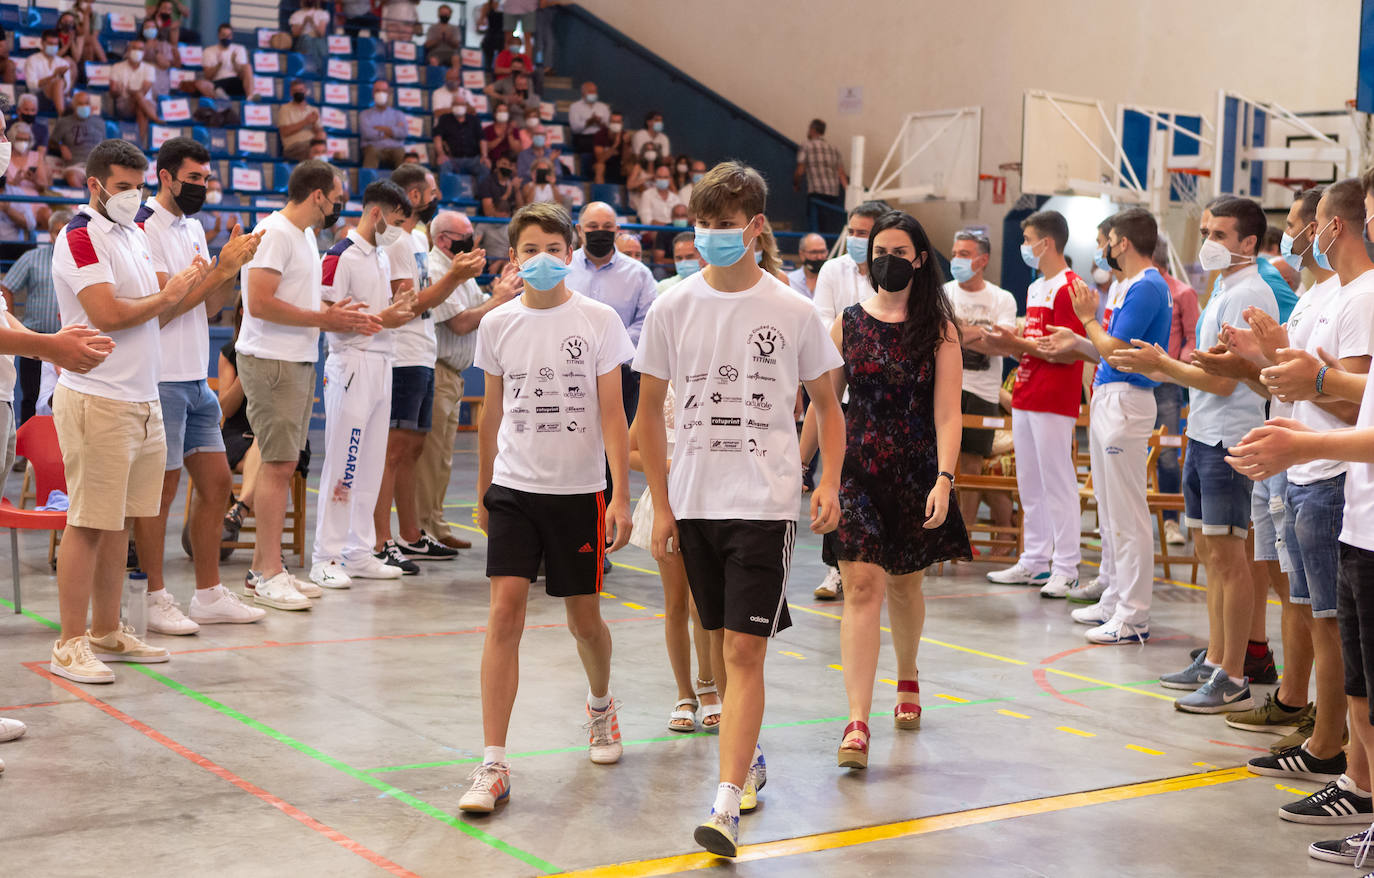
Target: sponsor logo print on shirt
546,410
725,445
548,428
546,374
759,401
767,341
728,374
757,425
521,426
575,346
755,450
575,392
700,376
725,422
759,376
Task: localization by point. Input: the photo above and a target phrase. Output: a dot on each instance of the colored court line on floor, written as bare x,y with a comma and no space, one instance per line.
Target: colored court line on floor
954,646
1146,750
828,841
26,706
223,773
41,620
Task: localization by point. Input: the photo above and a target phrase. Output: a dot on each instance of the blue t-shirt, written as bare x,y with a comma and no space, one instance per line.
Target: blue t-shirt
1146,312
1224,420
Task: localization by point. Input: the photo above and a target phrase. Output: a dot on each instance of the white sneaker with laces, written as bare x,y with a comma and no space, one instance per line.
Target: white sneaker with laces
1092,614
371,567
1087,592
11,729
330,574
831,587
1173,535
1018,574
604,747
1116,631
490,787
1057,587
165,617
219,605
306,587
279,592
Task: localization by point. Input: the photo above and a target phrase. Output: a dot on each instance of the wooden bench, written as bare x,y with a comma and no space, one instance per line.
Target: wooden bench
293,527
474,404
997,484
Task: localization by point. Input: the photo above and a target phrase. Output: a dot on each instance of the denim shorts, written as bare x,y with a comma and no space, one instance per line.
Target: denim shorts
190,412
412,398
1313,528
1216,498
1268,511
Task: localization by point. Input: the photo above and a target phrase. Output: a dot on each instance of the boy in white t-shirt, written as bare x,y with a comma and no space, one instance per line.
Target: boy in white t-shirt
735,343
551,358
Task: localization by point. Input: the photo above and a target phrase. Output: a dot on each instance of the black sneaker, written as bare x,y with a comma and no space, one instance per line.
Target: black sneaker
1298,764
1332,804
426,548
1351,850
1197,652
1262,670
391,554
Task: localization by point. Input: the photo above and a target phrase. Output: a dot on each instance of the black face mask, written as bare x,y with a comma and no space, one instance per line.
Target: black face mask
27,118
191,198
1111,260
331,218
503,173
541,176
224,42
427,212
814,265
891,273
599,242
298,97
460,245
443,19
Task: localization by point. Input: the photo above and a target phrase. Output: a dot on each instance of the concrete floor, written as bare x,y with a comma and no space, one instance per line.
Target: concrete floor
337,742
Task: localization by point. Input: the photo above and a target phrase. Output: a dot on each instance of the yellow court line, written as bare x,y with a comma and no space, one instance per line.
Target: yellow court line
1013,713
1138,691
1072,731
954,646
1146,750
633,606
825,841
955,698
634,568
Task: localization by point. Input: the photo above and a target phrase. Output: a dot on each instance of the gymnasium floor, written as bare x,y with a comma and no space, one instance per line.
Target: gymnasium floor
337,742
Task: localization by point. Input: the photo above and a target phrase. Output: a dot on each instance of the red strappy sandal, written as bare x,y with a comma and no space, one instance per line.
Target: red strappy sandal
906,706
854,757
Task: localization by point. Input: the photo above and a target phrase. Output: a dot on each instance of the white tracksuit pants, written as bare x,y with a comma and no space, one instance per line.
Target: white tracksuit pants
1048,485
1122,418
357,409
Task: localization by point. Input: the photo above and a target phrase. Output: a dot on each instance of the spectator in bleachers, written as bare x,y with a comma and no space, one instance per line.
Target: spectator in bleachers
9,71
31,275
400,20
538,150
47,75
811,253
219,224
28,114
310,29
821,169
684,192
490,24
541,184
501,139
28,173
356,16
638,174
518,95
298,124
543,48
131,85
450,94
686,261
498,196
443,40
69,47
651,135
682,172
163,55
458,143
608,146
169,15
512,59
656,204
224,71
88,33
383,130
680,216
75,135
587,118
628,244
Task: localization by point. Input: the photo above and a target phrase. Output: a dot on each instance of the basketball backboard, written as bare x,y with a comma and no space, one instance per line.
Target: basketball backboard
935,157
1069,147
1265,151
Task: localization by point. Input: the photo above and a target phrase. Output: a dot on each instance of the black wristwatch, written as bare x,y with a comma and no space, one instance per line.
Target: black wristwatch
949,476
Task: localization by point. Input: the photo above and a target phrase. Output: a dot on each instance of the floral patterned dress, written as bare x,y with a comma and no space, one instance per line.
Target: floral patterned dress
890,458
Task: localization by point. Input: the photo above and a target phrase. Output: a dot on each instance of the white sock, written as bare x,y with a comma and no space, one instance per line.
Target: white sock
598,702
208,595
727,799
1346,783
492,755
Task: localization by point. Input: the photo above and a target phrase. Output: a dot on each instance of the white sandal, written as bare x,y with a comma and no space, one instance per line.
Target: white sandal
708,687
680,712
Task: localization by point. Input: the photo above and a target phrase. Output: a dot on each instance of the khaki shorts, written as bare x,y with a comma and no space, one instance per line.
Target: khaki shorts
113,453
280,397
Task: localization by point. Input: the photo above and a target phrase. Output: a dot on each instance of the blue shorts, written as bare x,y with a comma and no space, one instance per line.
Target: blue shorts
1268,511
190,412
412,398
1313,528
1216,498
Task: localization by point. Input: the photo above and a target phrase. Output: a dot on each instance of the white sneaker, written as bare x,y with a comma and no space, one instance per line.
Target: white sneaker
280,593
1116,632
1172,534
306,587
1092,614
831,587
490,787
371,567
603,742
219,605
165,617
330,574
11,729
1087,592
1018,574
1057,587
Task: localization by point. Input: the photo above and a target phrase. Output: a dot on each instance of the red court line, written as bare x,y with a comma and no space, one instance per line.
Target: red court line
1240,746
38,704
272,644
196,759
1042,679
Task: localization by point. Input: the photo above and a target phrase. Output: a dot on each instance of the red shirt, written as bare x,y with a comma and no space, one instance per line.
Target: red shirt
1042,386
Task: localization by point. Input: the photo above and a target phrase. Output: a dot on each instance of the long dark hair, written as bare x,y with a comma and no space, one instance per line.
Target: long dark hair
928,309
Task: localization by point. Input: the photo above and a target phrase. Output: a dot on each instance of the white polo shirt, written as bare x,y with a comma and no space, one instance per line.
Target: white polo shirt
221,63
292,253
838,286
175,242
92,250
134,78
360,271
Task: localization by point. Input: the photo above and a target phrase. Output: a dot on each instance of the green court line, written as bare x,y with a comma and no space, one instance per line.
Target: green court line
34,616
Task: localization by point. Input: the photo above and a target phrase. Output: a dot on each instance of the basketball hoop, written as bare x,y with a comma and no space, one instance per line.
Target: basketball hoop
1297,184
1185,184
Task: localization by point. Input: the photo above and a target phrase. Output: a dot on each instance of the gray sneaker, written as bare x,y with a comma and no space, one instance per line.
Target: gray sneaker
1352,850
1191,677
1087,592
1220,694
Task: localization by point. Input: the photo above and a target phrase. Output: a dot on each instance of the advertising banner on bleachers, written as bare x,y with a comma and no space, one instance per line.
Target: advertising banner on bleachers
572,193
337,93
471,57
340,45
479,103
264,87
407,74
246,179
150,175
410,98
546,111
333,117
474,79
404,51
176,110
177,76
555,135
266,62
265,35
121,23
338,146
337,68
162,134
30,42
98,74
254,142
191,56
257,115
415,126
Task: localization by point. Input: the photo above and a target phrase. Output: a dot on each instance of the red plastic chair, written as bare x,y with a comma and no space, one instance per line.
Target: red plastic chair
37,443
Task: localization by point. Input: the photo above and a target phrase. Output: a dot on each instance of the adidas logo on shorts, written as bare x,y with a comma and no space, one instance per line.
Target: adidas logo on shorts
586,547
759,619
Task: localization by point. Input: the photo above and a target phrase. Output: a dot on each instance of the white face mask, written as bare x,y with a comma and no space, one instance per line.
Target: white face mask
382,98
135,56
122,207
1214,256
616,127
1101,276
214,196
388,236
22,146
503,116
460,110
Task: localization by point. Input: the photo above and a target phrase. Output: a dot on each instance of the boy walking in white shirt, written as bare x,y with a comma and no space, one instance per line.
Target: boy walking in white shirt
553,413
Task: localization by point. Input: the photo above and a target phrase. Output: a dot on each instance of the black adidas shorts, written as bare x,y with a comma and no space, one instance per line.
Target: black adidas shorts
1355,616
737,571
564,531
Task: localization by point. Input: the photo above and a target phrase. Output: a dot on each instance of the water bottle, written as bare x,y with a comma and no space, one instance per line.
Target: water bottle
136,602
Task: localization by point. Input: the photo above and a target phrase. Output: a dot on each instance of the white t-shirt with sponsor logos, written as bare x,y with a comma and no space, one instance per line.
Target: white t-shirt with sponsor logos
989,306
415,340
735,361
549,359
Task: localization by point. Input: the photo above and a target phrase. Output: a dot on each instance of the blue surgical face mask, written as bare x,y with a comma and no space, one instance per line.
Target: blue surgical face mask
720,247
538,140
83,112
1100,260
961,268
150,33
543,271
662,183
857,248
1028,256
758,257
680,222
687,267
658,127
696,178
1321,259
1294,260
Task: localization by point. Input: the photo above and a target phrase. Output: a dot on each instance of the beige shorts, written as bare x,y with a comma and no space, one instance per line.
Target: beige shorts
114,453
280,397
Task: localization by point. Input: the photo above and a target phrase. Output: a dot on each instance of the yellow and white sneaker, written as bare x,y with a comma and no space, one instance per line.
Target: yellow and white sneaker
123,645
74,661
